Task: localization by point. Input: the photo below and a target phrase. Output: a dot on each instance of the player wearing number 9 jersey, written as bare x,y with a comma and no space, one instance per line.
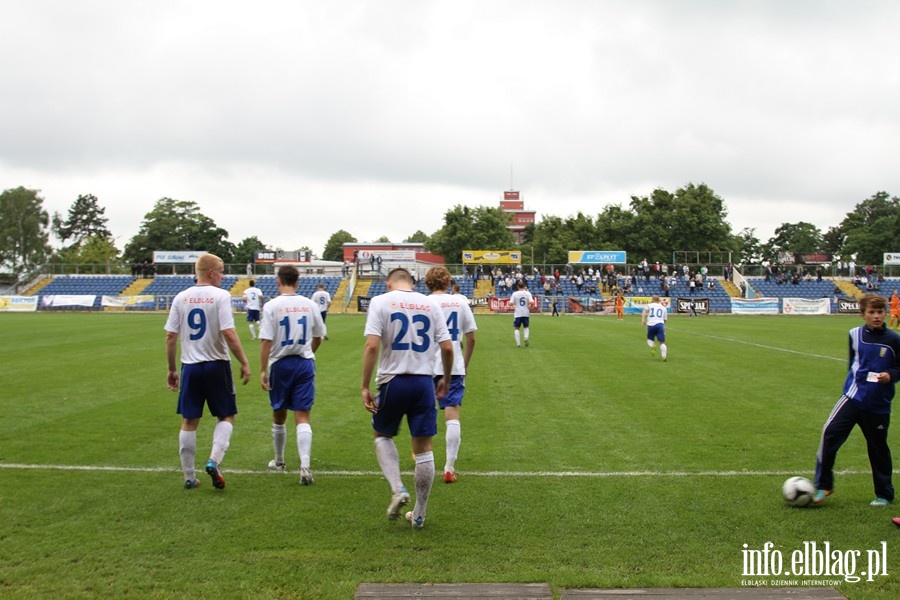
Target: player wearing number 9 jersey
291,331
403,327
201,318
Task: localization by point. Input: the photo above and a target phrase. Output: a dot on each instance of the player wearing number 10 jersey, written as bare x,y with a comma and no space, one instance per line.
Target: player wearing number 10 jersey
202,320
403,327
291,332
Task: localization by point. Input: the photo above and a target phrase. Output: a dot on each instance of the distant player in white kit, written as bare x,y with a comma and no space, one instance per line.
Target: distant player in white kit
521,300
290,334
461,326
253,300
403,327
323,300
201,318
654,318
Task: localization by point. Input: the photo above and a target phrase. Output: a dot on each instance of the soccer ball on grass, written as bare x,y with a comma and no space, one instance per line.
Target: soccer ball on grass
798,491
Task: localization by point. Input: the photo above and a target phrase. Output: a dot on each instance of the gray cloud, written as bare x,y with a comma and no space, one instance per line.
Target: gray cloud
378,117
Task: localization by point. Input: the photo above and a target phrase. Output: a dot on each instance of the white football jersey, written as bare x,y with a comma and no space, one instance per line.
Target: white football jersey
460,321
322,299
198,315
253,298
521,301
656,313
291,321
410,325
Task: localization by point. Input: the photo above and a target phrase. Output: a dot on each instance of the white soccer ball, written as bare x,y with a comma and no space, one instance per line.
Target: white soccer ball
798,491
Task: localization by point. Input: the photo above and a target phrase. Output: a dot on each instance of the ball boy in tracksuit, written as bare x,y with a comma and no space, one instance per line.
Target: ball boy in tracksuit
866,401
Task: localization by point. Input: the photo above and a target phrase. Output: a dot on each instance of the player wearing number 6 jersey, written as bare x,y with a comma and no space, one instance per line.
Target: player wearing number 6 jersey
654,318
403,327
460,325
201,318
291,331
521,300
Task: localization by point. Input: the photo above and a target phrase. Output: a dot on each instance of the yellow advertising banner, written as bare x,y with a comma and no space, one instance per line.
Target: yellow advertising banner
492,257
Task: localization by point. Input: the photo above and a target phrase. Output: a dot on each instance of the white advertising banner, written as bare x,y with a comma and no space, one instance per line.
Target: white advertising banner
892,258
755,306
124,301
806,306
67,300
187,257
18,303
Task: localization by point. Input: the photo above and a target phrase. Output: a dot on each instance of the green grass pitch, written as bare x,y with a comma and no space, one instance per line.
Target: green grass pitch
585,462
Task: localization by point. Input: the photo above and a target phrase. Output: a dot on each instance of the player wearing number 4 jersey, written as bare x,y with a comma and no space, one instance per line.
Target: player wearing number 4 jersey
202,320
461,326
403,328
291,332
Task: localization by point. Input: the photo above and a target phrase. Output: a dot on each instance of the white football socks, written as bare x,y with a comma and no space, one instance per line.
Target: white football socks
453,438
389,461
424,477
221,441
279,438
304,443
663,351
518,338
187,449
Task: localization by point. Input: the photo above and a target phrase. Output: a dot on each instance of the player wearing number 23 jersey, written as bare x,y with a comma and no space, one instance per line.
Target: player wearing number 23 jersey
403,330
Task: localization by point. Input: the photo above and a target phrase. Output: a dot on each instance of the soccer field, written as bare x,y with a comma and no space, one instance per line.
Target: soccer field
585,462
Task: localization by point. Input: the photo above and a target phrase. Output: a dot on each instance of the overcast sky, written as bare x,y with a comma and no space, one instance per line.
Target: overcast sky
291,120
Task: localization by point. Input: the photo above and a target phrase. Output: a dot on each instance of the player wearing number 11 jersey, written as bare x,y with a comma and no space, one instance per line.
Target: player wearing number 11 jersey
202,320
291,331
403,327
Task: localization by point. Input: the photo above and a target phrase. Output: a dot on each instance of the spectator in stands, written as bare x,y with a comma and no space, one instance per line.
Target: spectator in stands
743,287
692,286
711,284
769,273
206,333
819,273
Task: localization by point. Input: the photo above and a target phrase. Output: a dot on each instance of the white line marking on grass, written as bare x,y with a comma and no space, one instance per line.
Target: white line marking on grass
763,346
340,473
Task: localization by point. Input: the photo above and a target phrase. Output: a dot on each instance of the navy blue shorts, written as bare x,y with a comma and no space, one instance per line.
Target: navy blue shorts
207,383
252,316
293,383
521,321
455,392
410,395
